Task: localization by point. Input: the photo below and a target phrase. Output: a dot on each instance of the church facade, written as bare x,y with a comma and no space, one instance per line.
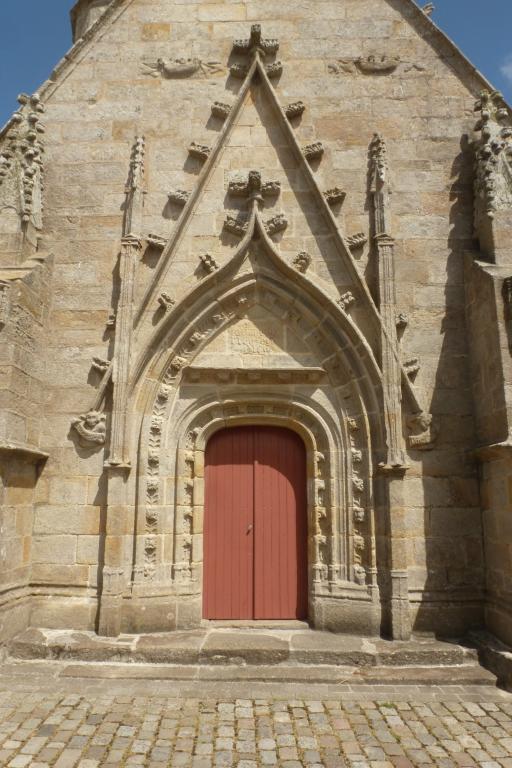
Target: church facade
256,325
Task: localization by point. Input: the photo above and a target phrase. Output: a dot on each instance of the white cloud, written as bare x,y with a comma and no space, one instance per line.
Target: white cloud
506,68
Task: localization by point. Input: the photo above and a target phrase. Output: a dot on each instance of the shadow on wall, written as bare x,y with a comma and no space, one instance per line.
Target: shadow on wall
443,490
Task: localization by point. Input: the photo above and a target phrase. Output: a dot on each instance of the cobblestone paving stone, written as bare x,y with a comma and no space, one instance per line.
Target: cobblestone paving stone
104,727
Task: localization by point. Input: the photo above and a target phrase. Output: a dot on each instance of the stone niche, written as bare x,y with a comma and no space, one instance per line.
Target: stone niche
84,14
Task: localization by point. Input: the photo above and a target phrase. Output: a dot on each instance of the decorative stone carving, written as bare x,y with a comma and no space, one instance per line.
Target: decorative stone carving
276,224
111,321
274,70
377,64
199,151
428,9
360,575
156,241
357,241
5,301
412,367
100,365
295,110
493,173
239,70
402,321
335,196
253,188
424,431
91,428
359,514
236,226
369,65
173,69
346,301
166,301
302,262
179,197
209,263
220,110
256,44
314,151
21,161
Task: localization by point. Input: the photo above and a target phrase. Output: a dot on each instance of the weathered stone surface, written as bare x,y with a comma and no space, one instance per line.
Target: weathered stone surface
151,318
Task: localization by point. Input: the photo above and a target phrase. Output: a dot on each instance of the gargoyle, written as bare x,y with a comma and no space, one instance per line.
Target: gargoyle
91,428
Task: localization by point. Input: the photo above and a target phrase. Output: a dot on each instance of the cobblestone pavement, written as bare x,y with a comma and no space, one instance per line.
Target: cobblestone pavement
48,722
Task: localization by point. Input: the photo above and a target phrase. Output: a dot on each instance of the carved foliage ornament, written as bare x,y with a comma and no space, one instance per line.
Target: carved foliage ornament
493,173
21,161
5,301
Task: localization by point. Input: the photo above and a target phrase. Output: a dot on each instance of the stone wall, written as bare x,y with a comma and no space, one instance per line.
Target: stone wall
361,67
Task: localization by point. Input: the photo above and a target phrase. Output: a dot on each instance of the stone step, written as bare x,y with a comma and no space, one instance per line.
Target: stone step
322,674
219,647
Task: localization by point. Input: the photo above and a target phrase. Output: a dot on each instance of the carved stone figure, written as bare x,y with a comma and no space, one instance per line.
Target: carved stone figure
91,428
181,68
276,224
424,431
377,64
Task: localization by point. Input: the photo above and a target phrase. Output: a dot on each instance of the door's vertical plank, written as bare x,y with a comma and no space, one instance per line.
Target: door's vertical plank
280,525
228,546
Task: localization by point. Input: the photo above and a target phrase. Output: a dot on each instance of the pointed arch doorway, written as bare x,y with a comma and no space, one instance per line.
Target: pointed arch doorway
255,526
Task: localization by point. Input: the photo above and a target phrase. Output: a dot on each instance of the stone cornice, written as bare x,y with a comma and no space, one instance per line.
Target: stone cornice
29,453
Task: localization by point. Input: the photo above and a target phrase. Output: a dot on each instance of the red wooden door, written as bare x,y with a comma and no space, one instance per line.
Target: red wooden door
255,527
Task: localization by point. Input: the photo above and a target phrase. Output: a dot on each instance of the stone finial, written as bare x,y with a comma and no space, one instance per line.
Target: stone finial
493,173
91,428
378,162
21,161
253,187
5,301
256,44
136,175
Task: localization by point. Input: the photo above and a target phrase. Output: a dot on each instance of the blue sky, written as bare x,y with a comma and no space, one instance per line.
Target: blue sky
36,33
